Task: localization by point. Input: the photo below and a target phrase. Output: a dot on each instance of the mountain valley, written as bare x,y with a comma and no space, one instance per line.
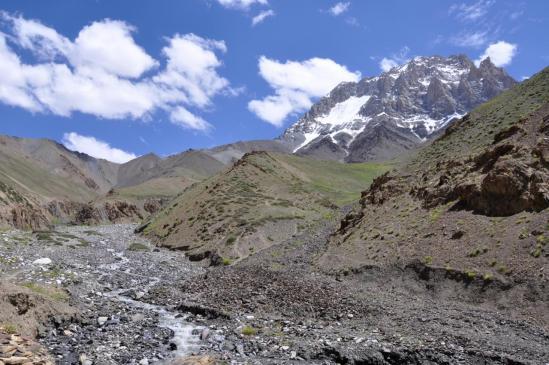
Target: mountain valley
402,220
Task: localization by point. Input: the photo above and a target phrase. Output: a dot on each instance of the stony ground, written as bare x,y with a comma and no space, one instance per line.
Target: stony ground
103,272
292,313
141,305
15,349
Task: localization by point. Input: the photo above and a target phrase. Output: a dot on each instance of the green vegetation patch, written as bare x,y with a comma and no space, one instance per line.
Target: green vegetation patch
9,328
47,291
341,183
249,331
137,246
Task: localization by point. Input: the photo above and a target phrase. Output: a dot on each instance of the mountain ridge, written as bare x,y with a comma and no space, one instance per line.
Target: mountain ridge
261,200
91,189
379,117
474,202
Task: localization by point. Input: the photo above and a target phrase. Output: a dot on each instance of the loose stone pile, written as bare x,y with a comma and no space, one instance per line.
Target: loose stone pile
15,350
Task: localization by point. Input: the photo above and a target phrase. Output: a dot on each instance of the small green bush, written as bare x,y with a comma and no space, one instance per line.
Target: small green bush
51,292
43,236
249,331
136,246
10,329
471,275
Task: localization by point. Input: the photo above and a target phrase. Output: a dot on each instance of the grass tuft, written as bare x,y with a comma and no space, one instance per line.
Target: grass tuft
136,246
249,331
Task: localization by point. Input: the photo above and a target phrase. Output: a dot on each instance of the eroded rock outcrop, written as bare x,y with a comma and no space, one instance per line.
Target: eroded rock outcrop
507,177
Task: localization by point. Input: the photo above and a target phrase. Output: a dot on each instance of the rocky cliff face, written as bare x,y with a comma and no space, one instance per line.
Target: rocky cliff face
379,117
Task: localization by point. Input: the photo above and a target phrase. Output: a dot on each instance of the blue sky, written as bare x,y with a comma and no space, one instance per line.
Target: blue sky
165,76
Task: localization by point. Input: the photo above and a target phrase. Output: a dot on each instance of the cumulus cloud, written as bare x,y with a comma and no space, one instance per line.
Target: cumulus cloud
295,85
501,53
387,63
259,18
471,12
101,44
241,4
191,71
339,8
103,72
95,148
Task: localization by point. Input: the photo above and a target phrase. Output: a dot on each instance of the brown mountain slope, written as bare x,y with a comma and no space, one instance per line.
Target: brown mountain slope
92,175
191,164
265,198
41,181
230,153
470,208
44,183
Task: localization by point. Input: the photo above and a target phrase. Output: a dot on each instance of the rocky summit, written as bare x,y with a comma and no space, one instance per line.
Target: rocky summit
381,117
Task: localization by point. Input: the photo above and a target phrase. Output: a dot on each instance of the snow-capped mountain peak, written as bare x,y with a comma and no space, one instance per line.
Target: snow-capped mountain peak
380,116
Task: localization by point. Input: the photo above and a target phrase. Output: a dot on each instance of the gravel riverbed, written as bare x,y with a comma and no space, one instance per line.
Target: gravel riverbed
138,304
106,270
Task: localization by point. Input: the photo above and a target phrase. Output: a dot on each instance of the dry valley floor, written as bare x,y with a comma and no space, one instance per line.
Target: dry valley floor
103,295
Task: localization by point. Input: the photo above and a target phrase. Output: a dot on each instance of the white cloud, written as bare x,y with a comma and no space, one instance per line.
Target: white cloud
108,45
33,35
186,119
471,39
471,12
98,45
501,53
295,85
339,8
352,21
387,63
191,73
262,16
516,14
241,4
95,148
102,72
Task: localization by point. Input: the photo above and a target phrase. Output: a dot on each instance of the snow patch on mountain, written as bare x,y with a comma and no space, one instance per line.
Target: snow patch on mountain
344,117
309,137
430,124
345,111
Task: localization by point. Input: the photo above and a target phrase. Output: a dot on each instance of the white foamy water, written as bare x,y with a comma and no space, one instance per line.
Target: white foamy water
183,338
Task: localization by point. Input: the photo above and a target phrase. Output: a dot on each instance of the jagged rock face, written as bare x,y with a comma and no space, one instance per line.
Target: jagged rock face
111,211
507,178
380,117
